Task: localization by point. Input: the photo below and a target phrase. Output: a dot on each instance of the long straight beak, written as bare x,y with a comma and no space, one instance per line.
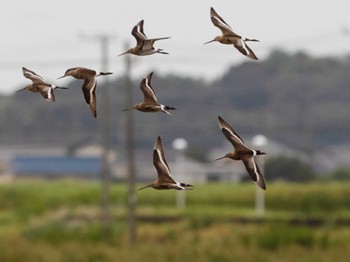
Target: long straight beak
59,87
143,187
130,108
220,158
20,90
209,42
61,77
124,53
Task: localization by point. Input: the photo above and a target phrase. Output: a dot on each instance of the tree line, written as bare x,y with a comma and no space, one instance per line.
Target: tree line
296,99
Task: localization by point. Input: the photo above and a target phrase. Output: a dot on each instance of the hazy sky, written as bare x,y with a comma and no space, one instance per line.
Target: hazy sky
48,36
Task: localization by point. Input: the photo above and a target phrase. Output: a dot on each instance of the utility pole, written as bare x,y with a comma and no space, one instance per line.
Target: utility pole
105,137
260,141
104,116
129,132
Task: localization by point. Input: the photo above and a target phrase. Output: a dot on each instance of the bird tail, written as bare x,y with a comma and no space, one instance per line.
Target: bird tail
105,73
161,51
169,108
186,186
166,108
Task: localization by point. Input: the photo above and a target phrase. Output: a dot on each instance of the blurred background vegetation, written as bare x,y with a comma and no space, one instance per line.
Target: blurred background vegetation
59,221
293,99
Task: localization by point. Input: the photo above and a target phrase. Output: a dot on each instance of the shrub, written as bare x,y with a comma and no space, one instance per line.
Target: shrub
289,169
340,174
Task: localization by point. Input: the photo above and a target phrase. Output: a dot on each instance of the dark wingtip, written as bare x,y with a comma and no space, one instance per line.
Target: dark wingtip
261,183
221,120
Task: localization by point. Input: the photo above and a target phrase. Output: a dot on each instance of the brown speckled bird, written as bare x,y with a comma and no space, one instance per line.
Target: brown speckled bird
89,86
164,180
242,152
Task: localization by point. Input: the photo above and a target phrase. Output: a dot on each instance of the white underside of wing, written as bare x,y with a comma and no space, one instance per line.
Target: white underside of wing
150,90
233,135
147,44
163,162
222,25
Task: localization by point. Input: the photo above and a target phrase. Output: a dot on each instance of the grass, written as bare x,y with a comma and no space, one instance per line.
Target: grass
61,221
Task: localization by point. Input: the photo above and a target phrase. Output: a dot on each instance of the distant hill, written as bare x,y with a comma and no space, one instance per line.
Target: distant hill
295,99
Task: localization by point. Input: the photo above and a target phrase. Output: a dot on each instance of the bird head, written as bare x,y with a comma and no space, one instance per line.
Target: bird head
228,155
69,72
216,39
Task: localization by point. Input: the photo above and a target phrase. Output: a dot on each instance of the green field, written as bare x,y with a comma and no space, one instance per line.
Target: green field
61,221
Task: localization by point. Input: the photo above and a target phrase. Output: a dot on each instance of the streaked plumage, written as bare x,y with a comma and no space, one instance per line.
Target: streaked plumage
228,37
150,103
89,86
39,85
164,179
144,46
242,152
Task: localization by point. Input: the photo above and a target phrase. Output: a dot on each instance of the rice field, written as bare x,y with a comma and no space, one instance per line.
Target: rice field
61,221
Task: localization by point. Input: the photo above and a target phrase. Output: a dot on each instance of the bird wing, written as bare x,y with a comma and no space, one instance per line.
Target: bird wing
245,49
148,43
231,135
219,22
160,162
147,90
89,88
138,33
32,75
253,170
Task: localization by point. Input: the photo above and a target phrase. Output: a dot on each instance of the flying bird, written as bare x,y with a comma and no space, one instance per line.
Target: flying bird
242,152
150,103
228,37
164,180
89,86
144,46
39,85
